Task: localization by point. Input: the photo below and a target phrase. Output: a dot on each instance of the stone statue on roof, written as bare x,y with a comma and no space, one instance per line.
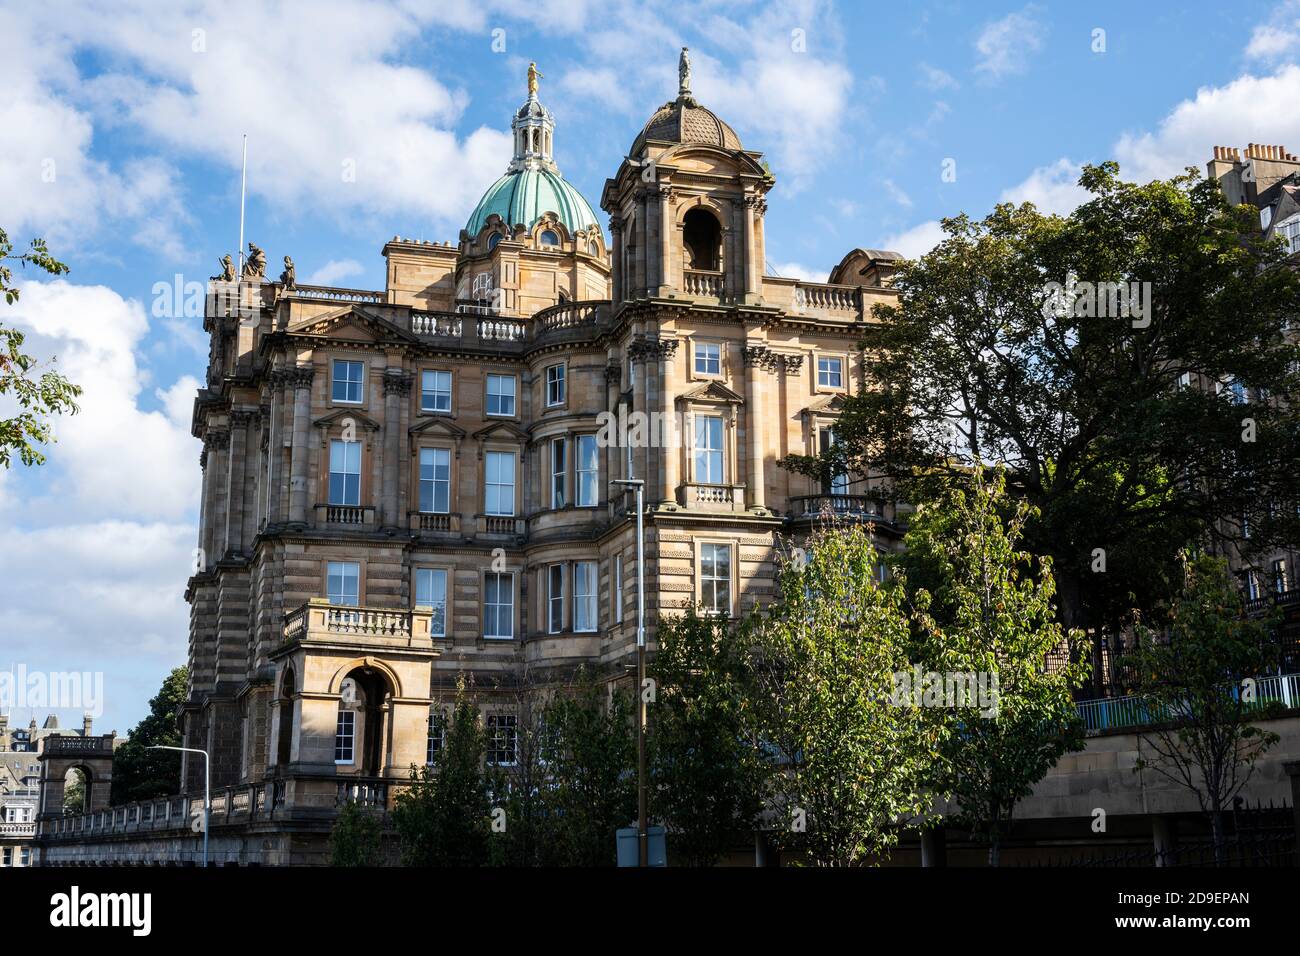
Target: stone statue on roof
255,264
684,72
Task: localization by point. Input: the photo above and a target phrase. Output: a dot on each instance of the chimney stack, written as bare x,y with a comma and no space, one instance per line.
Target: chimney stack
85,725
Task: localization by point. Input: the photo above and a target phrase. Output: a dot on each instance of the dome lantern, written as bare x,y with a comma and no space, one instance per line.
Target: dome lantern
532,185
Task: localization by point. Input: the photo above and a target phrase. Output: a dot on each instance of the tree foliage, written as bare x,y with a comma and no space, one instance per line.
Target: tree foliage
356,838
443,817
974,362
706,774
590,786
984,609
1198,681
36,397
848,762
140,773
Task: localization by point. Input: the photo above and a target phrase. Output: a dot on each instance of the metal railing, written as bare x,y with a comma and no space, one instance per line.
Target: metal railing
1113,713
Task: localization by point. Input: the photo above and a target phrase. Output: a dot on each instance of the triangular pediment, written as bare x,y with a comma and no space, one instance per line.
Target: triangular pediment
345,414
714,393
351,323
501,430
826,405
438,426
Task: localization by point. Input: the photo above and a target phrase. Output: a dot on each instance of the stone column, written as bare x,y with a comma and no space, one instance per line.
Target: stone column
757,359
610,461
649,246
240,422
668,434
396,386
639,350
301,384
616,258
751,246
217,441
274,425
666,230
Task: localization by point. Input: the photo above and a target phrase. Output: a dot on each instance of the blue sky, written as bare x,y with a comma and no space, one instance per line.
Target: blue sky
120,133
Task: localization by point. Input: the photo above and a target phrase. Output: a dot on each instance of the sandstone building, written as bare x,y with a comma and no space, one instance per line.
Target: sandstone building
408,485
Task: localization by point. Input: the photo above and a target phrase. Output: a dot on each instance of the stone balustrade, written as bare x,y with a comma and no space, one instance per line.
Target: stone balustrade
319,620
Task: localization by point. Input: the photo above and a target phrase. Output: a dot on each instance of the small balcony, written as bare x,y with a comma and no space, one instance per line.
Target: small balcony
319,621
361,517
501,525
858,507
702,284
433,522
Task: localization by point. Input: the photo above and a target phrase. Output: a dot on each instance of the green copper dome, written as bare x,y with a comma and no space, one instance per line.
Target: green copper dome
522,196
532,185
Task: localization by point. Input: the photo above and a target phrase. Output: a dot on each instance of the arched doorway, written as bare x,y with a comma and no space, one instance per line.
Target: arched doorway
76,790
364,716
284,737
702,240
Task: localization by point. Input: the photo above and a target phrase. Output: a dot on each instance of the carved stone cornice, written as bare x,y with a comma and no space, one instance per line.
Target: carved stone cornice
665,349
760,356
300,377
398,382
641,349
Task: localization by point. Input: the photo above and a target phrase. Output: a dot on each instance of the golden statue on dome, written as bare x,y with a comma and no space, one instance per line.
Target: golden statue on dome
533,77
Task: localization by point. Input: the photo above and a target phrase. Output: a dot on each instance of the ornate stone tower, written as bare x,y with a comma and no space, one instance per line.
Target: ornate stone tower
686,209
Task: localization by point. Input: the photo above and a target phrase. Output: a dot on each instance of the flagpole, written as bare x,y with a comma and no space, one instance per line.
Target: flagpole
243,183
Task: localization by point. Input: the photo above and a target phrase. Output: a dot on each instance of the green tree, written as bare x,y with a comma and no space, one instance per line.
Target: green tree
980,359
356,838
1198,682
848,762
590,755
443,817
521,788
37,398
706,774
140,773
74,794
985,612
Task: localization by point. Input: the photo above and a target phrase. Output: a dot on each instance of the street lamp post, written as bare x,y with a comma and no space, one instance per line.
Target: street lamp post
207,790
642,832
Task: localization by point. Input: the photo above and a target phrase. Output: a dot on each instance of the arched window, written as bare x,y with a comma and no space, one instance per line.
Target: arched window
549,238
493,240
593,248
702,237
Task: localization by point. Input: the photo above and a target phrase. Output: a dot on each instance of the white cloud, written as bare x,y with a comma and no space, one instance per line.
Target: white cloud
793,270
1278,40
897,194
1270,42
114,457
100,596
914,242
1005,46
334,270
1250,109
935,79
1053,189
